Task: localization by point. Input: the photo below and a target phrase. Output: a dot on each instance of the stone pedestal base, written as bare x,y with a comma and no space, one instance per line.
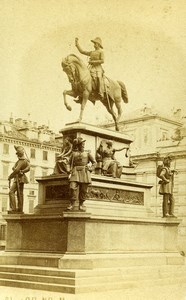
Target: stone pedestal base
84,233
78,252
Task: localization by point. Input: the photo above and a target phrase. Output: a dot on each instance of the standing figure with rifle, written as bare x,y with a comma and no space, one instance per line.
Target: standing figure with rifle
21,167
166,187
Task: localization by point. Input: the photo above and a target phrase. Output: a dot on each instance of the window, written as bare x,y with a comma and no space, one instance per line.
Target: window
5,189
3,232
145,135
5,148
45,155
56,156
32,153
164,136
31,206
32,175
4,204
5,170
31,193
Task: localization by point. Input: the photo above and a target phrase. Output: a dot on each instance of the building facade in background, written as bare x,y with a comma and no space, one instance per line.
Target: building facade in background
41,146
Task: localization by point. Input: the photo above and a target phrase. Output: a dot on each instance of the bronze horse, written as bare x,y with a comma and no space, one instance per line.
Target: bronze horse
81,82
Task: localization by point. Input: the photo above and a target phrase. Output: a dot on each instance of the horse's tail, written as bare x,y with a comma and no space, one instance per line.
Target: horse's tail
123,92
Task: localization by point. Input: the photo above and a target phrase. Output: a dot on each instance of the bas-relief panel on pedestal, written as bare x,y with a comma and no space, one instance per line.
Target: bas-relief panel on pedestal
61,192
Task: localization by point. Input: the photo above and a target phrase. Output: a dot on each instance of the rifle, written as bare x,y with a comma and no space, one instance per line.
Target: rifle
18,187
71,165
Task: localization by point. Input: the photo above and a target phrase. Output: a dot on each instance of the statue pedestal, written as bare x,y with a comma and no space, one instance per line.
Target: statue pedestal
94,135
115,244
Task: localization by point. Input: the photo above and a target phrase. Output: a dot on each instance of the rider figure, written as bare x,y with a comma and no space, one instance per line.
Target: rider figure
95,64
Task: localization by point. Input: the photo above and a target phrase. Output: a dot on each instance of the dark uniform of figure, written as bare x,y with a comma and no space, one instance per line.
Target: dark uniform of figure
95,64
21,167
166,188
80,175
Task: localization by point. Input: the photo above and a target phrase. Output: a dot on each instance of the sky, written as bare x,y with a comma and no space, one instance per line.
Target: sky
144,45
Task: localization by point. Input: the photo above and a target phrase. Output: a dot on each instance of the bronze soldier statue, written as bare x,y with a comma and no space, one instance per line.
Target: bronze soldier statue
21,167
80,177
95,64
166,188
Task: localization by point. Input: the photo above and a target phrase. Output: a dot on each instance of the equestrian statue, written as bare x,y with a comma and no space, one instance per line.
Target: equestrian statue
90,83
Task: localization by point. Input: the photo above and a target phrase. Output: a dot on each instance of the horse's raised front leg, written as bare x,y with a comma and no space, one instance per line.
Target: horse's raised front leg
69,93
83,103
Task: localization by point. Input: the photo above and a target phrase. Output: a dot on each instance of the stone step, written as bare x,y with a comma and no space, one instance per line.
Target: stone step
92,272
90,280
37,285
91,287
38,278
91,261
131,270
22,269
120,260
60,280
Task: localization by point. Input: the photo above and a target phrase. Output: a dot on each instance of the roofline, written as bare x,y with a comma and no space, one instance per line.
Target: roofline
132,120
27,142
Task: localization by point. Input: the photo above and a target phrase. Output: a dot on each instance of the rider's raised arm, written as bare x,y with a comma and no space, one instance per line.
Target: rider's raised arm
80,49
